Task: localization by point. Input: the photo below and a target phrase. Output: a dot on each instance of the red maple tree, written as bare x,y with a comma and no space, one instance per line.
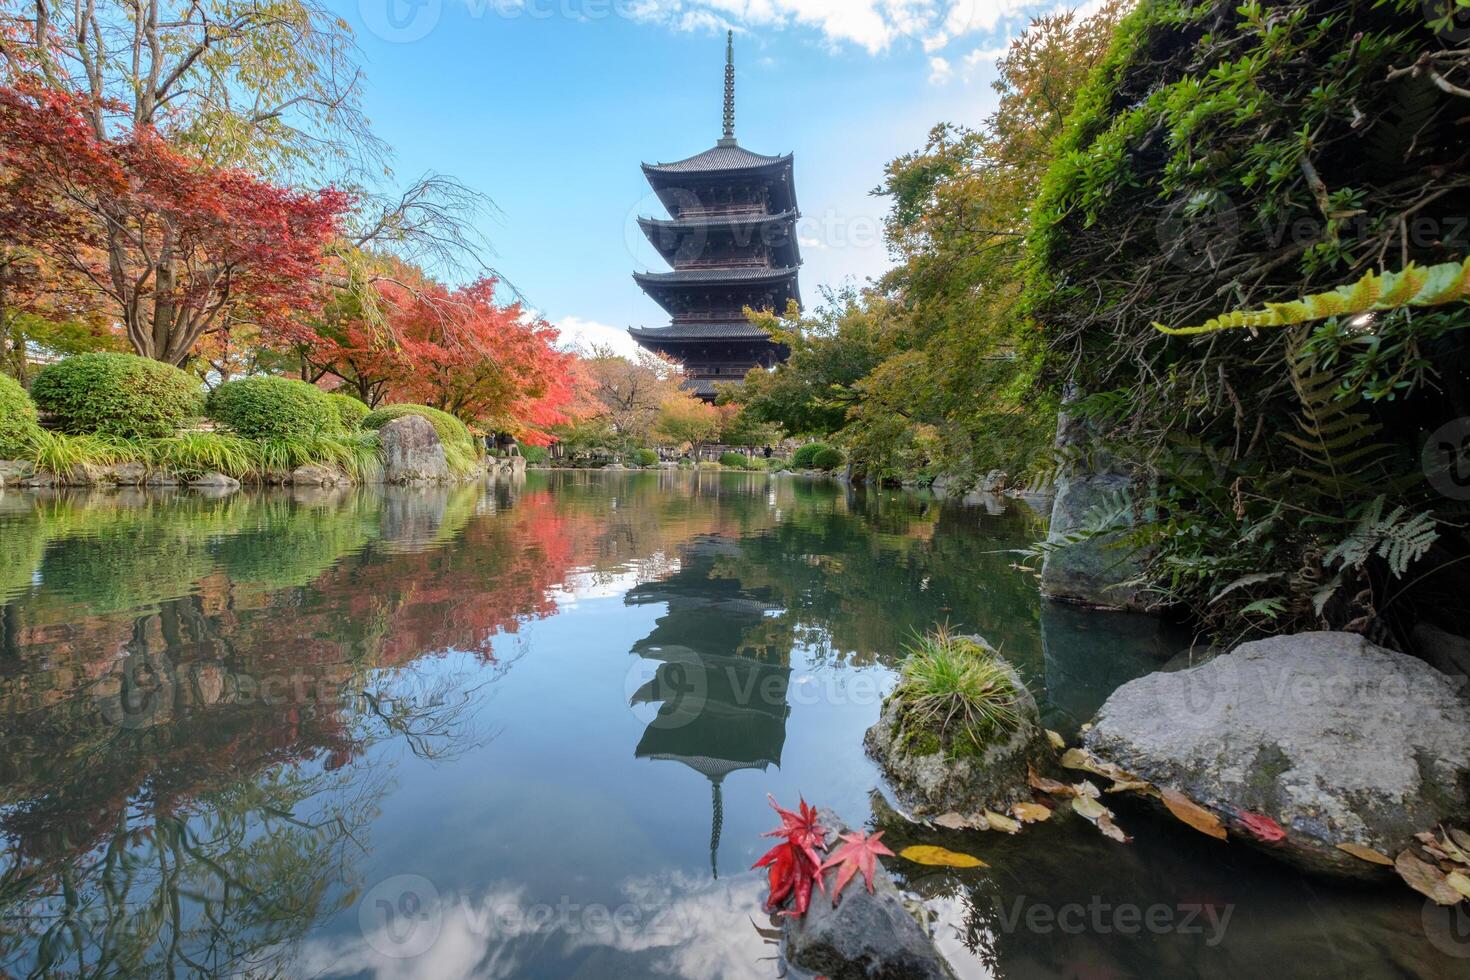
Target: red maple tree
177,248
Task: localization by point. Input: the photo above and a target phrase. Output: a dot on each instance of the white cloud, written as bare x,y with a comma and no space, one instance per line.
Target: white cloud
873,25
580,334
941,72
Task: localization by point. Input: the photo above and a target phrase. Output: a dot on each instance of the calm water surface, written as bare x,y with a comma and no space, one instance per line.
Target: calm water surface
529,731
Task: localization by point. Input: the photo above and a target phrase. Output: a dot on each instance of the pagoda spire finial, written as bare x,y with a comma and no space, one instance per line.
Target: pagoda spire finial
729,137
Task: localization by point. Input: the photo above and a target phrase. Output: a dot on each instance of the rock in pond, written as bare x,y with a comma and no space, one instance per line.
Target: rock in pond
1337,740
412,452
13,471
313,475
930,776
214,481
865,936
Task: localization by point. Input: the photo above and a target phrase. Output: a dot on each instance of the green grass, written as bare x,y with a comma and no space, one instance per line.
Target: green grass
57,452
958,689
195,453
356,455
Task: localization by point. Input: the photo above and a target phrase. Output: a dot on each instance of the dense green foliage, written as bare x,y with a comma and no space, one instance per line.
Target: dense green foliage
830,458
737,461
1227,156
929,371
268,407
117,395
644,457
350,411
18,423
803,458
451,430
536,455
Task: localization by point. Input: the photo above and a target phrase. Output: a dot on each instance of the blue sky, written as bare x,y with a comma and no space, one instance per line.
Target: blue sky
549,106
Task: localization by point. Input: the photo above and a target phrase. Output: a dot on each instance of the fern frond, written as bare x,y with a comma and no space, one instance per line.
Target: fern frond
1436,285
1400,538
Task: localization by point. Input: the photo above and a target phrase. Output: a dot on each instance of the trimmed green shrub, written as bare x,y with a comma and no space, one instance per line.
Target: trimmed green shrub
118,395
803,458
18,426
734,461
350,411
644,457
450,429
828,459
267,407
535,455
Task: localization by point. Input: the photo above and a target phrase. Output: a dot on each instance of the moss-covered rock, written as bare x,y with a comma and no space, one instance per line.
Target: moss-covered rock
935,769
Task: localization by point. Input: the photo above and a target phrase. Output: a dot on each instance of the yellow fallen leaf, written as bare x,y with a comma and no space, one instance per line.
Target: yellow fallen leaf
1031,812
1086,788
1048,785
1076,759
1001,822
1089,807
1085,760
1193,814
1459,882
1057,742
940,857
1129,786
1453,851
1112,830
1426,879
1365,854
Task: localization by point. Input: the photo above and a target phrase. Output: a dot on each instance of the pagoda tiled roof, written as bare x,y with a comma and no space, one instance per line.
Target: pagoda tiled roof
718,220
727,330
718,159
681,277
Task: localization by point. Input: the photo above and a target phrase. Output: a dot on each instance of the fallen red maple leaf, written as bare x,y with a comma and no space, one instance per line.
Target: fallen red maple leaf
800,828
795,862
1262,826
859,853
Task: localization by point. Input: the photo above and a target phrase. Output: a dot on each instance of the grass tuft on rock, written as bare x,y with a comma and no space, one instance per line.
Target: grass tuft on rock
955,694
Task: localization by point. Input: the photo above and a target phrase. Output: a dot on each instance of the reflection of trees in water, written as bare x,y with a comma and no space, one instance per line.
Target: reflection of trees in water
860,574
179,788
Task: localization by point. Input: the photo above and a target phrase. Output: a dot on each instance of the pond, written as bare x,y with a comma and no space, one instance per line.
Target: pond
529,731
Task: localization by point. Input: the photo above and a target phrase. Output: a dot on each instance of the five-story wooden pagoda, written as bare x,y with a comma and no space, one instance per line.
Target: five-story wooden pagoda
731,242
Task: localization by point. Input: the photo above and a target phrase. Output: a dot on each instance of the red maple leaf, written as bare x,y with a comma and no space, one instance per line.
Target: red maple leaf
794,863
1262,826
859,853
800,828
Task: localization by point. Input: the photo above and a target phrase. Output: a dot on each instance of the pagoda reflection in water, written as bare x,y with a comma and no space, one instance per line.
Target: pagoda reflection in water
721,677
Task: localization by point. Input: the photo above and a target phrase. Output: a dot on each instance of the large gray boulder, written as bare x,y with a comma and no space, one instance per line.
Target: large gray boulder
930,778
865,936
1093,571
1337,740
412,452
